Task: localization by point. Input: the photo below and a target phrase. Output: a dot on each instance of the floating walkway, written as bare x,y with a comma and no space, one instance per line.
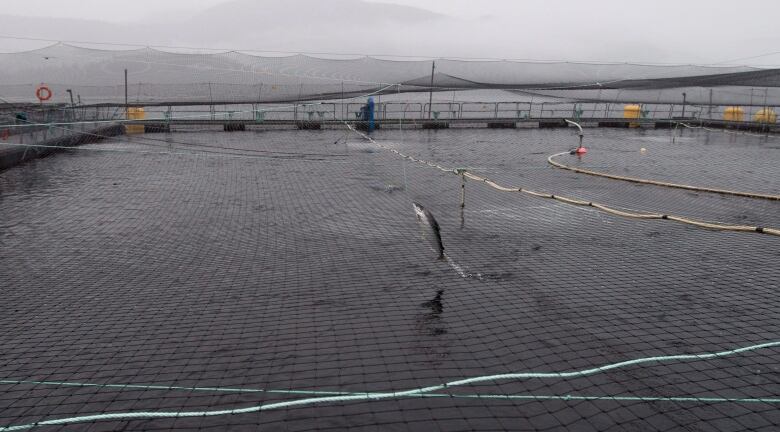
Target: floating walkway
229,125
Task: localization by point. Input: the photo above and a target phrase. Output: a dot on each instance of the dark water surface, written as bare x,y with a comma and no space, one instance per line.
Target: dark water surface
293,261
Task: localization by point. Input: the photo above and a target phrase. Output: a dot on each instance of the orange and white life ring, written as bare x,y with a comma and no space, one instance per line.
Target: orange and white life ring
43,93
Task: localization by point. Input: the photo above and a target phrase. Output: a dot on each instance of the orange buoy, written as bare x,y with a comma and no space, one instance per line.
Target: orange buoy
43,93
765,115
734,113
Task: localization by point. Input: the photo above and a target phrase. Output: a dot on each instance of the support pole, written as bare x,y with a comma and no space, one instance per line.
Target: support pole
462,191
462,173
766,97
72,105
403,167
766,110
127,114
430,94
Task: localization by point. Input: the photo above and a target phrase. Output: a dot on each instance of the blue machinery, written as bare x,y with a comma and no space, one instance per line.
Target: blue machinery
366,116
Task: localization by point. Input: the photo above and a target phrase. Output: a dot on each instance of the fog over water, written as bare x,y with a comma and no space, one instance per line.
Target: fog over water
696,31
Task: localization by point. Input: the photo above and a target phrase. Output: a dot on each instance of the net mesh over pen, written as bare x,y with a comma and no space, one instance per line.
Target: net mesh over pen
279,279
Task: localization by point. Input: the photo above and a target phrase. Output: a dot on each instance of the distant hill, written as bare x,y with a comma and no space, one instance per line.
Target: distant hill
294,25
605,30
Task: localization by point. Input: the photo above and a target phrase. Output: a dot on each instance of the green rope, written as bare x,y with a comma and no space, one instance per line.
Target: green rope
171,387
447,395
420,392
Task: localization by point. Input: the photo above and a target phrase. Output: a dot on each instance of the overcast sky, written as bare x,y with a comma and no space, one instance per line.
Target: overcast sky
675,31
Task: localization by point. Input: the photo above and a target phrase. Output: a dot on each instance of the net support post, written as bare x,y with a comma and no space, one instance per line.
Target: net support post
462,173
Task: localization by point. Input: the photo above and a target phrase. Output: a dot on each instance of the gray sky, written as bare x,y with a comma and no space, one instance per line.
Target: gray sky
675,31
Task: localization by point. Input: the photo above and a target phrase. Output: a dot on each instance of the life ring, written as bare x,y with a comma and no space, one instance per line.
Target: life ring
43,93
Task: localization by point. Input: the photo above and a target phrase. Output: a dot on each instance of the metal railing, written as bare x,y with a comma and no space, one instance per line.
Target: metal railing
385,111
38,124
334,111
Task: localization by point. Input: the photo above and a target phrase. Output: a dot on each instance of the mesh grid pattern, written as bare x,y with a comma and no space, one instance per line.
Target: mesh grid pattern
308,273
158,77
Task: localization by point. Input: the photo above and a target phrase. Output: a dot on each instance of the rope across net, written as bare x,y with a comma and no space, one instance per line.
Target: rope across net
203,278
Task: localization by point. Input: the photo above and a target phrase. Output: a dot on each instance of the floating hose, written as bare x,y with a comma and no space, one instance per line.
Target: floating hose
427,391
765,135
631,214
658,183
720,226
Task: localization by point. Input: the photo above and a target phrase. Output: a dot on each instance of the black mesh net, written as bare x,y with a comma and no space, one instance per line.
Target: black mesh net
158,77
206,276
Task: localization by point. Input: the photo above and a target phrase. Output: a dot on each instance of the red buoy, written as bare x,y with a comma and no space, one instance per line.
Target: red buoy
43,93
581,150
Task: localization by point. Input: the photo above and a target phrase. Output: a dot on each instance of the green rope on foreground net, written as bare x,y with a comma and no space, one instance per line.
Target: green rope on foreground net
429,392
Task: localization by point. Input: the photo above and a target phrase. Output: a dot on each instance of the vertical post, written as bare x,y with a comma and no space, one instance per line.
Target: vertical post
462,173
430,94
462,191
370,113
766,96
72,105
683,109
298,100
401,119
212,111
403,167
127,115
766,110
342,101
709,109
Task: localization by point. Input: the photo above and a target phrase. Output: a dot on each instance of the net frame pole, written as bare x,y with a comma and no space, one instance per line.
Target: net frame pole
462,191
127,114
72,115
430,93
